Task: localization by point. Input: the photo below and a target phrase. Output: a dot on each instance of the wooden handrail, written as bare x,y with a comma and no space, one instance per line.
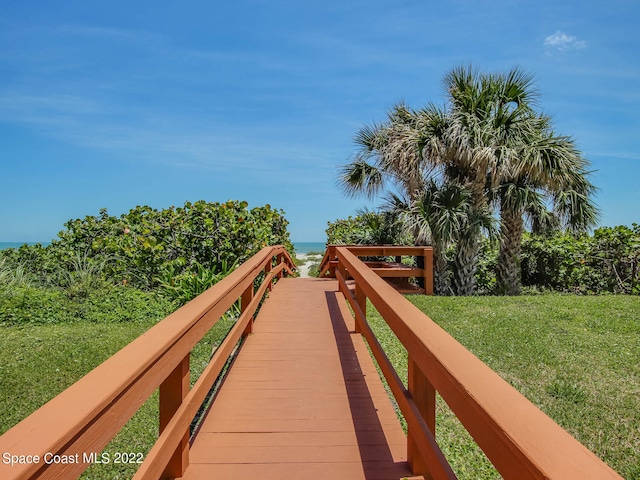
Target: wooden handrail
519,439
325,264
86,416
329,262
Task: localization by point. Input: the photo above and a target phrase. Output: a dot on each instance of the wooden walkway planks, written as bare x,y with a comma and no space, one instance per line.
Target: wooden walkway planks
302,400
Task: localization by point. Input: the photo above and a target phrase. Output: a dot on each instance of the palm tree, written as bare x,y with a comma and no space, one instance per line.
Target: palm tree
542,168
489,114
491,142
438,217
383,227
392,153
503,144
413,147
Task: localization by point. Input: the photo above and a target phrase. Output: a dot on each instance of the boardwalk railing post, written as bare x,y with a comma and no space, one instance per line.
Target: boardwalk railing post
424,396
247,296
333,257
428,271
361,299
343,271
172,391
267,271
278,262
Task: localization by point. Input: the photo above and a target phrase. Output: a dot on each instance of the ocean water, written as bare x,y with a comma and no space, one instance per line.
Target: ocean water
306,247
5,245
301,247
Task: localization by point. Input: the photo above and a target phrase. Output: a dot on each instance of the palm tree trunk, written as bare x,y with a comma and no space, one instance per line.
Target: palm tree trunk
466,263
468,246
441,283
509,274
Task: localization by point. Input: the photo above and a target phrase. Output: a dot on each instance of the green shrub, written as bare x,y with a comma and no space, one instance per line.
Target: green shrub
138,247
487,265
185,285
371,228
607,261
349,231
615,254
314,270
107,304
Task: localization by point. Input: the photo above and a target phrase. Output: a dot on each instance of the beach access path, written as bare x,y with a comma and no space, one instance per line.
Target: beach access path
303,399
303,269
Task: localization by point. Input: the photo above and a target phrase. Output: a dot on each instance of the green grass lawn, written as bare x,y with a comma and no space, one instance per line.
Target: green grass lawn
577,358
38,361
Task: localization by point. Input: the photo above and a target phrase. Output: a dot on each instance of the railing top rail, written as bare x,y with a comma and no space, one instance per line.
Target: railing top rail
363,250
370,251
520,440
159,350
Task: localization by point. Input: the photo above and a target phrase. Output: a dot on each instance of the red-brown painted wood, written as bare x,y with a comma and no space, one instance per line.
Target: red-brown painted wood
424,395
172,392
302,400
397,274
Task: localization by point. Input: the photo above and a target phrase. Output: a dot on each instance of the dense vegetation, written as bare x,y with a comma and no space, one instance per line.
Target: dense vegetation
447,171
177,252
607,261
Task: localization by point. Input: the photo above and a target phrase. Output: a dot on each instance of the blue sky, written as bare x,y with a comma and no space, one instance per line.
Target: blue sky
117,104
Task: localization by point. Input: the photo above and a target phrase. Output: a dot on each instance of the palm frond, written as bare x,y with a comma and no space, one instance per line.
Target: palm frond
370,138
360,178
576,210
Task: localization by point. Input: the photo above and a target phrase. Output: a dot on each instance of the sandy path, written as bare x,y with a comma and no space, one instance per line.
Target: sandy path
304,268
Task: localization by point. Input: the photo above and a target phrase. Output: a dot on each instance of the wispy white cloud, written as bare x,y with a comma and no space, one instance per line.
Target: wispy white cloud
561,41
94,31
138,37
164,137
617,154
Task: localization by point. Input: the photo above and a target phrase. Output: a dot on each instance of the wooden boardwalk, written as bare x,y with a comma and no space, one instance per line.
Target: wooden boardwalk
302,400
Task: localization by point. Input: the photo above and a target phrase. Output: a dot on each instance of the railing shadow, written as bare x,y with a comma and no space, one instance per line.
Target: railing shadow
377,458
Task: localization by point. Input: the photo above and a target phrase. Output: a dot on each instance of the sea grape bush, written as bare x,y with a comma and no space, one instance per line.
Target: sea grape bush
140,247
370,228
553,262
349,231
607,261
98,266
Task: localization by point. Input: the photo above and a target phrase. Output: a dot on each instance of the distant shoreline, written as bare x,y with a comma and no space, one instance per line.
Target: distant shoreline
5,245
301,247
306,247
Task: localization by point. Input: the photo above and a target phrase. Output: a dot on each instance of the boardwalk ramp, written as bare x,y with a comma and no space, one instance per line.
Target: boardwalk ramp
303,398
